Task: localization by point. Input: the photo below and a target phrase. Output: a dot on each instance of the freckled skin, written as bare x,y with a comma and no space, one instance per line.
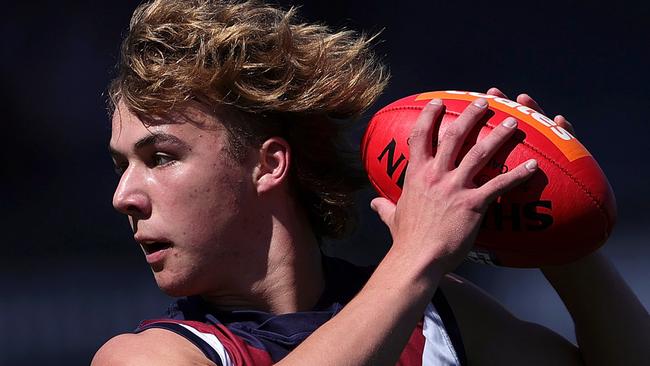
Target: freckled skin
201,203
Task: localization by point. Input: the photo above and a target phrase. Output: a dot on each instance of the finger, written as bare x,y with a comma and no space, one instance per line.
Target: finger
529,102
385,209
562,122
479,154
455,135
502,183
426,126
497,92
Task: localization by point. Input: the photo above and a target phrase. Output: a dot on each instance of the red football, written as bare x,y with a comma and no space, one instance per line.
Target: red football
564,212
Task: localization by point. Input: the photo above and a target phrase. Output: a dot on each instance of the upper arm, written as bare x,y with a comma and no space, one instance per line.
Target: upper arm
493,336
152,347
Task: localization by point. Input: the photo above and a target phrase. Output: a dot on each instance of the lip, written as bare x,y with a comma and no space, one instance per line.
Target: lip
155,250
157,256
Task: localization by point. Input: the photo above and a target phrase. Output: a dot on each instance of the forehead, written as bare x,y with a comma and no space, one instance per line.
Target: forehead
192,125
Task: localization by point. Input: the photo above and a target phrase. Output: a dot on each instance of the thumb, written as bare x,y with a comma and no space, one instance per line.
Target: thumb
384,208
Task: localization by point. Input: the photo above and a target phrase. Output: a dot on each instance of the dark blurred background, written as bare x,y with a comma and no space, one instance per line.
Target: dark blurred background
71,274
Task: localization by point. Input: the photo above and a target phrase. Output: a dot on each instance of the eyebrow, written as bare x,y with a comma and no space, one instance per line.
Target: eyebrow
152,139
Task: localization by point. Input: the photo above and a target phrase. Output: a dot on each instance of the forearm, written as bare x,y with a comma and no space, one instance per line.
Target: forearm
612,326
374,327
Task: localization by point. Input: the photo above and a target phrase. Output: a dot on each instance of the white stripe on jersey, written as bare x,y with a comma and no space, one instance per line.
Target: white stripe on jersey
438,349
213,342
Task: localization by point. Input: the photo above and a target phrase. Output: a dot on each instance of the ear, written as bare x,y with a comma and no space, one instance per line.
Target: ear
273,164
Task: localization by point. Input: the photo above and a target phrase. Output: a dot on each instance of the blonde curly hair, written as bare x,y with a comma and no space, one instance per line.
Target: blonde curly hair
285,77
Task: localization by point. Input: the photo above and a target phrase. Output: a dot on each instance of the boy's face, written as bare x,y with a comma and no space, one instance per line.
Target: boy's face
191,206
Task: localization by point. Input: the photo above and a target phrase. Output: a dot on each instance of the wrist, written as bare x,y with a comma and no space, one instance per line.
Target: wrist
416,267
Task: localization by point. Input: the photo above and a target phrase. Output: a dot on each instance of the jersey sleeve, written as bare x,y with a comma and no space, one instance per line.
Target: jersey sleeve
435,340
443,340
216,341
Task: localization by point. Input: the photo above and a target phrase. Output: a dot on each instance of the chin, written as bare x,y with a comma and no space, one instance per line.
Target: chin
175,285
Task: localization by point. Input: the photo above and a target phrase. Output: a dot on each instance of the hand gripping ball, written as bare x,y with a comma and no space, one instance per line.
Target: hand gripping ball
564,212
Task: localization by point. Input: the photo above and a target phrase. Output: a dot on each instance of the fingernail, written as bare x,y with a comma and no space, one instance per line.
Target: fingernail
373,206
510,122
531,164
480,102
435,101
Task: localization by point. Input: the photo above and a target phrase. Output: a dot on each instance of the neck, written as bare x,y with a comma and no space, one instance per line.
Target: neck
292,279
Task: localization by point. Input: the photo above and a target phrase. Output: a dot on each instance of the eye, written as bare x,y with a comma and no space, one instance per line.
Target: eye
162,159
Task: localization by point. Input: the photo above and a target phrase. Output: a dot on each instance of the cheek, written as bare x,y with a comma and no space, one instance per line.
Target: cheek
205,202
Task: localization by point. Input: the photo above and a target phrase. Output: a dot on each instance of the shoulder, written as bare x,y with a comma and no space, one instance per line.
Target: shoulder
493,335
151,347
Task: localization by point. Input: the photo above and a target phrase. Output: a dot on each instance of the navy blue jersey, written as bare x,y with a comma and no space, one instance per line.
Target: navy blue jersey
250,337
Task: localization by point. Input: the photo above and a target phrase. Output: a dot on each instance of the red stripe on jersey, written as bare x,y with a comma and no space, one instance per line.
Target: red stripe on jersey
240,352
412,353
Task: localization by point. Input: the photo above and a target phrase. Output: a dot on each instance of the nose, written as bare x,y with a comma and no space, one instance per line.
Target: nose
131,197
